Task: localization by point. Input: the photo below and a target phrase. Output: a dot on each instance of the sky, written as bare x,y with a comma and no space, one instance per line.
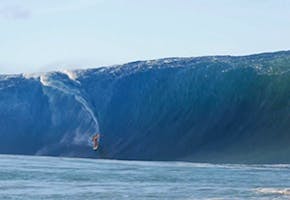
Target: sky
38,35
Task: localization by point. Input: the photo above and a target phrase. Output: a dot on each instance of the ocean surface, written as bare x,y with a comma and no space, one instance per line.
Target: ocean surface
35,177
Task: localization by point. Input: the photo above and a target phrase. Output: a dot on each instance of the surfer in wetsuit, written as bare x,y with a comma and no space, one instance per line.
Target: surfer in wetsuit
96,140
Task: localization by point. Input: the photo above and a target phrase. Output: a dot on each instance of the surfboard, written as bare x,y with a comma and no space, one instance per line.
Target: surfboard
95,148
96,140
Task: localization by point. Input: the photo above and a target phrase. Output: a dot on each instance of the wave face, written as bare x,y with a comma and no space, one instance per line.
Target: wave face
206,109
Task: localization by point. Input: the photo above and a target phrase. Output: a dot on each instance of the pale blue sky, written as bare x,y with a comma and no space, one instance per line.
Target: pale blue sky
39,35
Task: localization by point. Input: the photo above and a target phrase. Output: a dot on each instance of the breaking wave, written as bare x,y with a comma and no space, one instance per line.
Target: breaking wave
209,109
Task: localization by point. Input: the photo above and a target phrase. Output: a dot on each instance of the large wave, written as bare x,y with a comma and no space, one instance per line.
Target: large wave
206,109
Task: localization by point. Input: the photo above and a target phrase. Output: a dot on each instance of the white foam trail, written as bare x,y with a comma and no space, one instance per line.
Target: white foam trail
58,85
43,80
280,191
70,74
63,88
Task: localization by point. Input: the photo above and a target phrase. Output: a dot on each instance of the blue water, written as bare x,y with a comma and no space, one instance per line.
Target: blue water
32,177
204,109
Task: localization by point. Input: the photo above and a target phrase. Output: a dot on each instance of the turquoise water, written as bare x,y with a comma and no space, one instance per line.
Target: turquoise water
31,177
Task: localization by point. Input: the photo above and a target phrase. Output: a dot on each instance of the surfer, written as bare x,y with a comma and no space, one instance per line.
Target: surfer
96,140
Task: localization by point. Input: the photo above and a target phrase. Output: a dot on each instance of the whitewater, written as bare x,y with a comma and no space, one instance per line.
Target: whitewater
37,177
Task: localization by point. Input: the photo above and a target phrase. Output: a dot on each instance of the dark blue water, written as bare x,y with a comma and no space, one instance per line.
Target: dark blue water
31,177
208,109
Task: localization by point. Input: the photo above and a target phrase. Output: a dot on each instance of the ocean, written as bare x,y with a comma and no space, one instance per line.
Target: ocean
37,177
